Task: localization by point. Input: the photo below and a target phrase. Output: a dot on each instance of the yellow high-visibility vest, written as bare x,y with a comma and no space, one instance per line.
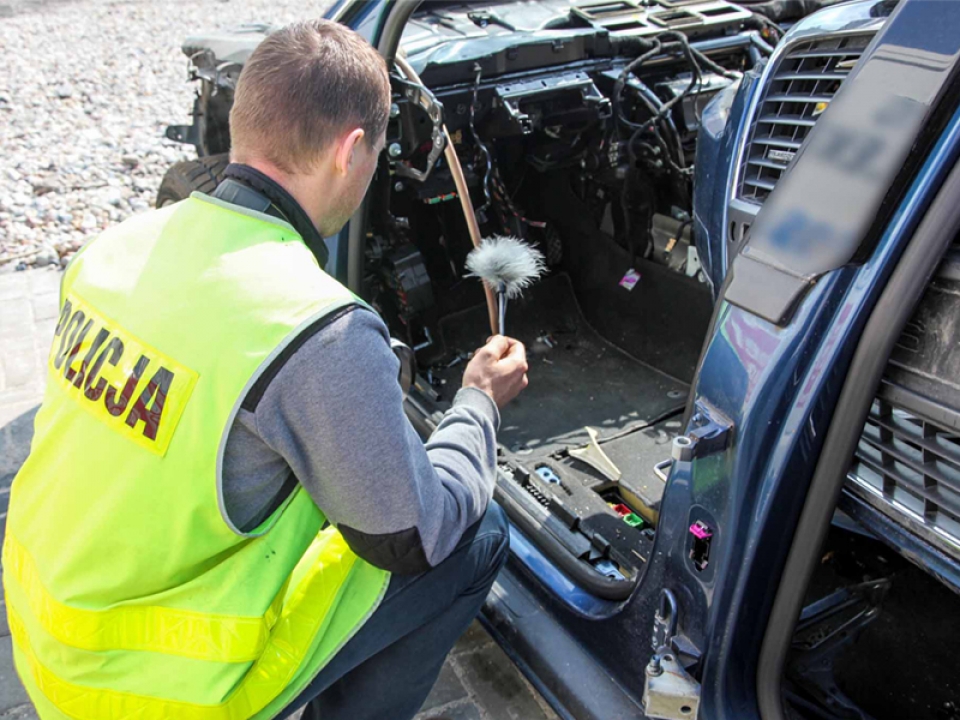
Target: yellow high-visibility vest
129,592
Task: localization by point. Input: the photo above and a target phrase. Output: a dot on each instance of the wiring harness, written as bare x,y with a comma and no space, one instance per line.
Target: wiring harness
659,129
494,190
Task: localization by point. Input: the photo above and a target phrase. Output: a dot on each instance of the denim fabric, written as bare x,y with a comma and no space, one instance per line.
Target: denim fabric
387,669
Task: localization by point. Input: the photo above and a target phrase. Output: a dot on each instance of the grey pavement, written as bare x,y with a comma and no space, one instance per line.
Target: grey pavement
478,681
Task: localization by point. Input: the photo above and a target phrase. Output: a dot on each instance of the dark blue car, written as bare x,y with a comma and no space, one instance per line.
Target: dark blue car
734,478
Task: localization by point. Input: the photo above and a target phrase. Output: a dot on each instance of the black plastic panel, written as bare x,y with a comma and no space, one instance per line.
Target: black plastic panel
828,208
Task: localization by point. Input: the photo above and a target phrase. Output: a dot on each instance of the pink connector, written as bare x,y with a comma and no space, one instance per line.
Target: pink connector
700,531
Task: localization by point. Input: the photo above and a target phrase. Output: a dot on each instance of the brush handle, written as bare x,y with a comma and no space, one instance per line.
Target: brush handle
502,308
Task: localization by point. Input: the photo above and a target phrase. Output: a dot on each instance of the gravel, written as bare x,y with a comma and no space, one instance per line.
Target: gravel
86,91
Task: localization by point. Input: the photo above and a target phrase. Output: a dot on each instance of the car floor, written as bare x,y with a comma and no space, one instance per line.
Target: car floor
577,378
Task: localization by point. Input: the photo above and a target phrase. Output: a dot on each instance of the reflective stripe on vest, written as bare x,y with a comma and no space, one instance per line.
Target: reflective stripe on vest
217,638
283,654
129,591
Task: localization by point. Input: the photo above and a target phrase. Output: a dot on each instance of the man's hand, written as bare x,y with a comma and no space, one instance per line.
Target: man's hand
499,368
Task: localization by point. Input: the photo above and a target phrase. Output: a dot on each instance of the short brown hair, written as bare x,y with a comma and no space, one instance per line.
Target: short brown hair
304,85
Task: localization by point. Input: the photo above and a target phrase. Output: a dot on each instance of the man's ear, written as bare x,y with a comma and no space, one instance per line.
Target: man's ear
346,148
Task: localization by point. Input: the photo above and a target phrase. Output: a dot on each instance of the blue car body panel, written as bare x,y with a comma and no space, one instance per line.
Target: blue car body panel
723,135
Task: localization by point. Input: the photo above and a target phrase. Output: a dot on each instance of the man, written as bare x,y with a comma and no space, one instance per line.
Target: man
225,513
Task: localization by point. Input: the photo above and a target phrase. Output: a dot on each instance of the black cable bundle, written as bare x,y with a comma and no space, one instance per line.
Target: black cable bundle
667,42
494,190
665,140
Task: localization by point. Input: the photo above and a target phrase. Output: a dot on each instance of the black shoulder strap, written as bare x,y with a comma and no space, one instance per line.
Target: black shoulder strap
237,193
281,200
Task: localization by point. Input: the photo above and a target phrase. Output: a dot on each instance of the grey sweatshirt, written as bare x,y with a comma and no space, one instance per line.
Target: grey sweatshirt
331,419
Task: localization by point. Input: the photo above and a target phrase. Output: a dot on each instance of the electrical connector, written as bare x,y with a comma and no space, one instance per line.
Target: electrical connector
633,520
702,539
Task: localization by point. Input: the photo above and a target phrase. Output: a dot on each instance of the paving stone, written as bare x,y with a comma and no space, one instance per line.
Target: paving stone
16,318
20,361
15,439
446,690
497,686
463,711
43,334
33,391
44,281
14,402
13,286
12,694
474,638
46,306
24,712
17,402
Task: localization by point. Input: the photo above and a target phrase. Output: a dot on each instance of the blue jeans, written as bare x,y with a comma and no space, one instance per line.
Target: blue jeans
387,669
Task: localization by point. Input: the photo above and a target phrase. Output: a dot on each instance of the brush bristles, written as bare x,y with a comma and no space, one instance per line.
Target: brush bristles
506,260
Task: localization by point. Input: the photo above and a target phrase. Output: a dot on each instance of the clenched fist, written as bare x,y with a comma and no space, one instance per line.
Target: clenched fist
499,368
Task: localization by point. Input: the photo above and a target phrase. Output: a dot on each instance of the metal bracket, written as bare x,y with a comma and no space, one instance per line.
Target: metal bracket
226,76
710,431
412,93
189,134
669,693
665,621
482,18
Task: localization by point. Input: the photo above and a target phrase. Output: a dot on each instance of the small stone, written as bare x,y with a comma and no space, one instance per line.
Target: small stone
46,256
64,91
131,161
45,186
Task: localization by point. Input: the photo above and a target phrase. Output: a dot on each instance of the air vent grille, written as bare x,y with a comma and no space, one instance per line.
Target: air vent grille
800,88
909,467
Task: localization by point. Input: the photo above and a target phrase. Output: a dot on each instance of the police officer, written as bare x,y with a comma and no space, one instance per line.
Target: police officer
225,513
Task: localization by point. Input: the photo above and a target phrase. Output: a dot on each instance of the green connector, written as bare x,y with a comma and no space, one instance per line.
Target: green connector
633,520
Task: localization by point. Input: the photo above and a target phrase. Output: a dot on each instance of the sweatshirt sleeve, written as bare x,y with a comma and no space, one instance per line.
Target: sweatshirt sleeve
334,412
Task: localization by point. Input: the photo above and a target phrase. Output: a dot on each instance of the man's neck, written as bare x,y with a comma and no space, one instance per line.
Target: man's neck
284,202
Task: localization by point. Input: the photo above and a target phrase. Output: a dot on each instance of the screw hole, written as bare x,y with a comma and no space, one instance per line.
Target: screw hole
686,709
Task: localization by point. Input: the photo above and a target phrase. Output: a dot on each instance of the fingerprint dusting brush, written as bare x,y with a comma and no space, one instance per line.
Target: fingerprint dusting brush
508,266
